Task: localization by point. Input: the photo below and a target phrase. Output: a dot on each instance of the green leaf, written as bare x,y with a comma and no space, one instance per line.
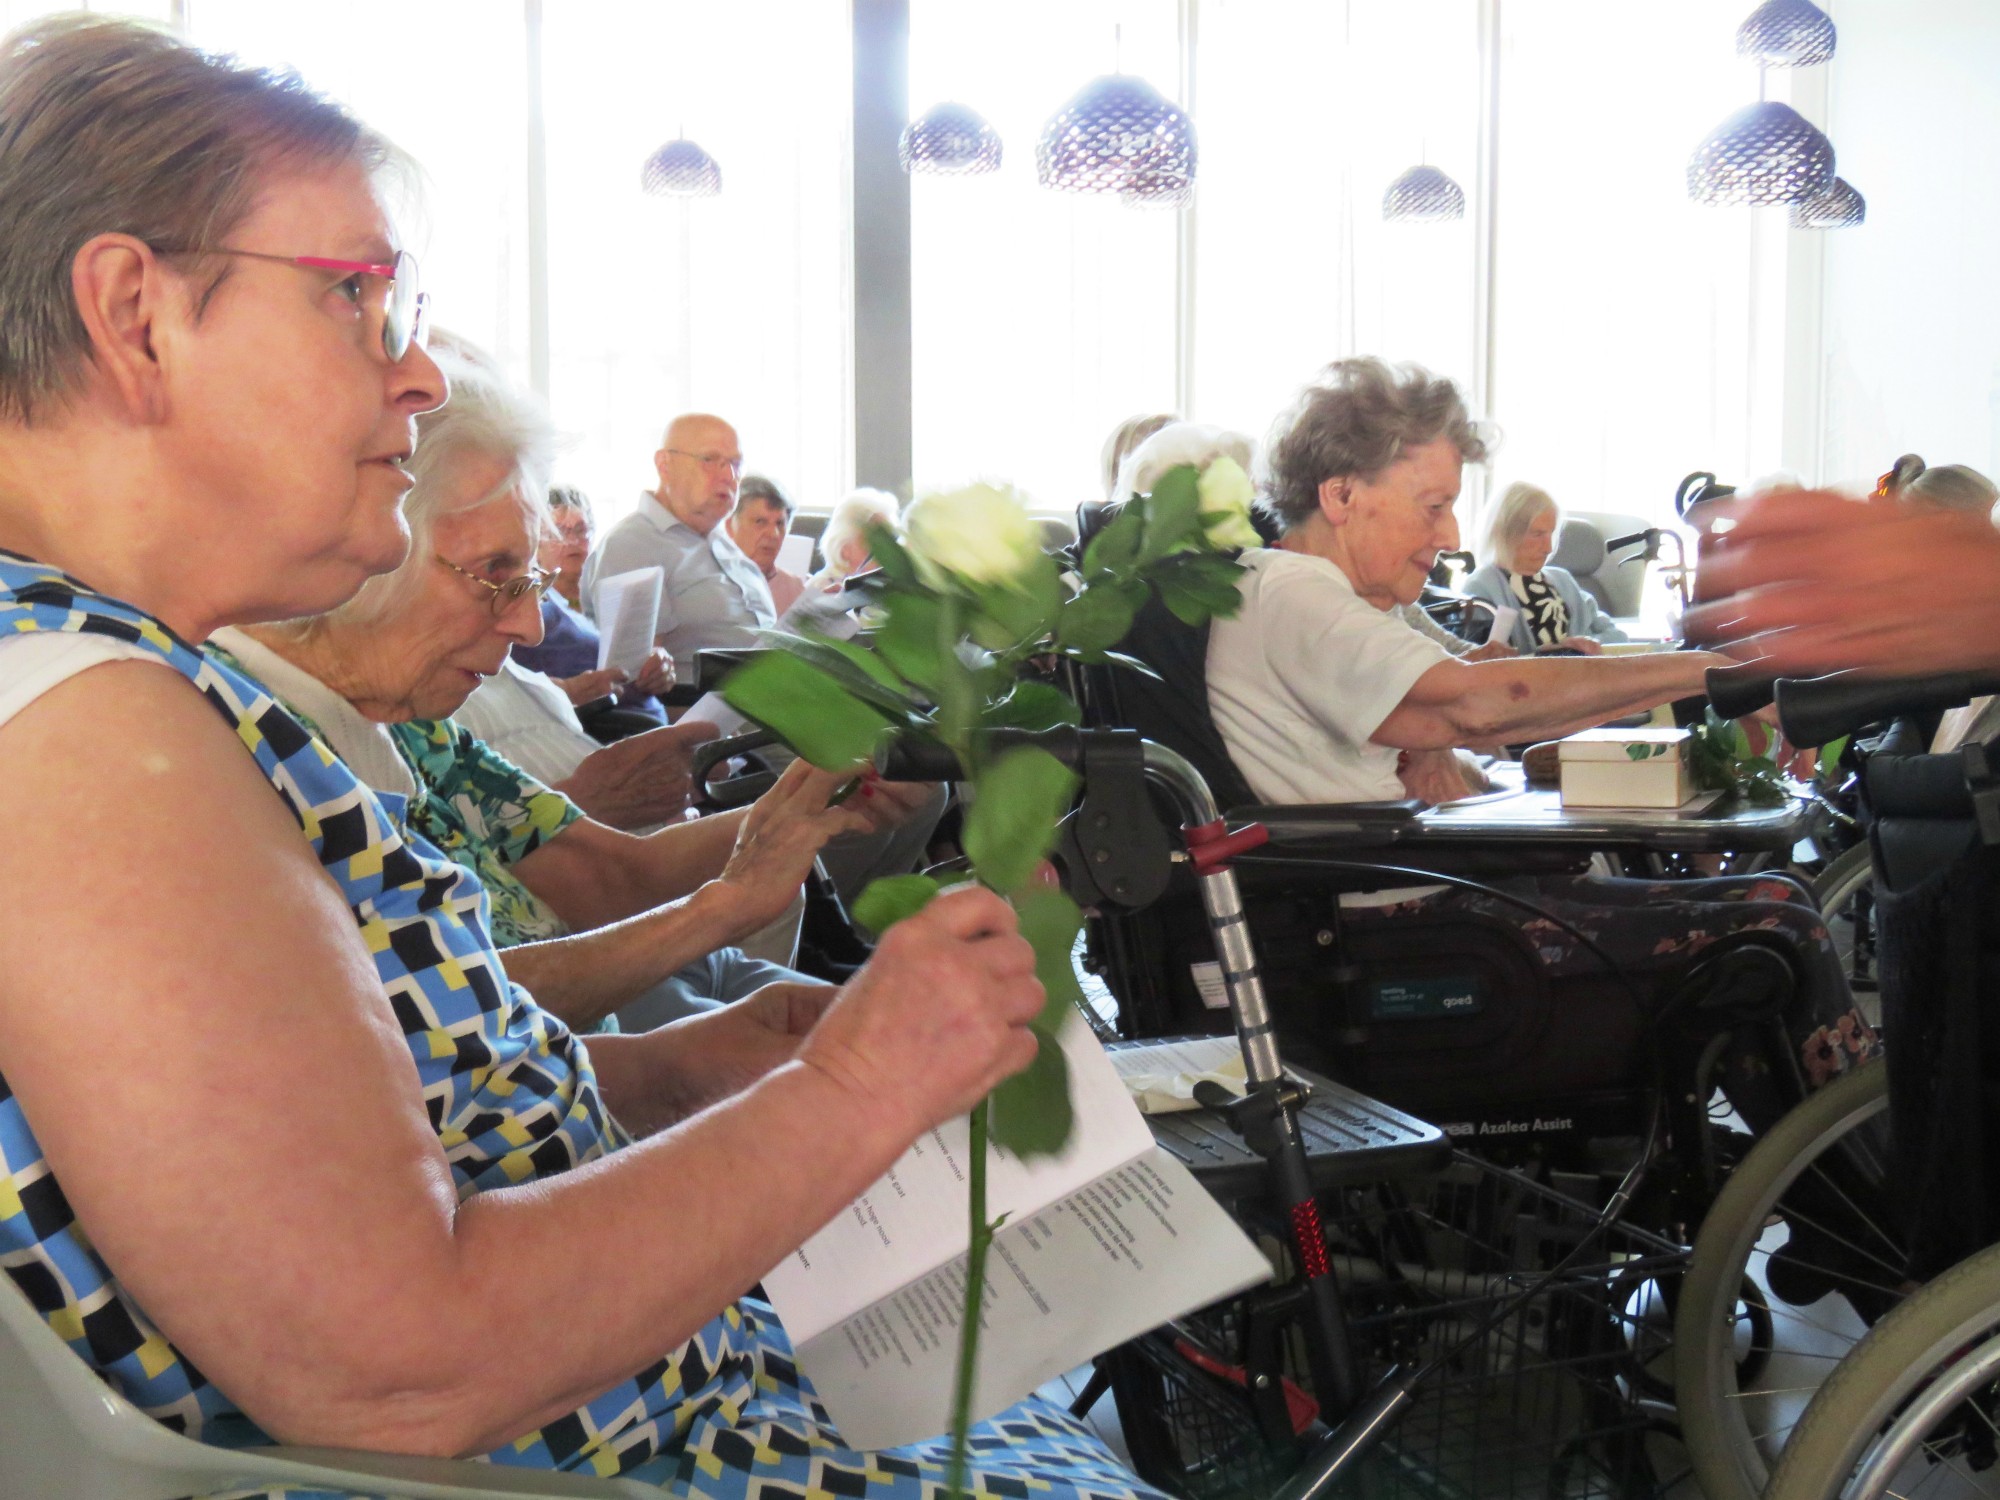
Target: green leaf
1195,601
1011,826
1023,612
1032,705
1031,1113
1101,616
1114,549
855,668
890,899
1739,738
807,709
890,555
1050,921
1829,758
1173,513
909,638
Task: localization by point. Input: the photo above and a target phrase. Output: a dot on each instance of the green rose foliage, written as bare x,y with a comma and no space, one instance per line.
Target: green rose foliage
891,898
1018,799
819,716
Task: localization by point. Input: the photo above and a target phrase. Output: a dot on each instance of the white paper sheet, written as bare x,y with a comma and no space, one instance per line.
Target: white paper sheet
1161,1076
628,612
1505,617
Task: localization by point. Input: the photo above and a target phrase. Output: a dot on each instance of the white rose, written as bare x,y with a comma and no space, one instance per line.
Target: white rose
982,534
1226,493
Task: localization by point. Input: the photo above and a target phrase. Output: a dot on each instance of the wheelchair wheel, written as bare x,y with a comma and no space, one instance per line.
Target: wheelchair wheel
1792,1265
1913,1410
1844,892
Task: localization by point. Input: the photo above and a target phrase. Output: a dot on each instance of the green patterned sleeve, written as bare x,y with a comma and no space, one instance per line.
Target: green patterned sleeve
501,805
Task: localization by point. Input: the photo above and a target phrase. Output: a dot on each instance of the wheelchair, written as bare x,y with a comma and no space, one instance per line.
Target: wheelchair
1453,1018
1861,1194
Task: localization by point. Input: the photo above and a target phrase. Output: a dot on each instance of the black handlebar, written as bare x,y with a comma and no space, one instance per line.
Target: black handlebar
1735,692
907,758
1816,710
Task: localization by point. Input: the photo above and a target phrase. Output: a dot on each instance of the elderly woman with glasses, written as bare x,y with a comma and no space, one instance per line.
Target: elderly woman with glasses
1322,694
296,1157
1550,609
592,917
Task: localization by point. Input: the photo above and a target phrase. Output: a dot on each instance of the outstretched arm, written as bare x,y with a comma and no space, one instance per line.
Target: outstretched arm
1536,697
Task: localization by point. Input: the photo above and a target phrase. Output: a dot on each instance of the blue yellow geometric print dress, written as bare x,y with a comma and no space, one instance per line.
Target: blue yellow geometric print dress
511,1096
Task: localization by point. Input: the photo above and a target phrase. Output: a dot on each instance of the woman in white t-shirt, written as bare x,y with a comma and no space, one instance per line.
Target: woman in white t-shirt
1322,694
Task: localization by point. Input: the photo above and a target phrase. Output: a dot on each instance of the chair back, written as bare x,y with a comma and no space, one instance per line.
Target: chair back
1617,585
66,1435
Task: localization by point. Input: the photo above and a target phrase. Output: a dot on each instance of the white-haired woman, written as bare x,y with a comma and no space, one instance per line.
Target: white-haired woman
1549,607
592,918
242,1004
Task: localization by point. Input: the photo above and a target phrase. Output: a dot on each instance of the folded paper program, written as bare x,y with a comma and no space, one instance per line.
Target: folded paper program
1160,1076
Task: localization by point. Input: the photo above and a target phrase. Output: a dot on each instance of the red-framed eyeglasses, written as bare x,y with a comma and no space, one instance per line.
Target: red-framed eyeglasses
387,291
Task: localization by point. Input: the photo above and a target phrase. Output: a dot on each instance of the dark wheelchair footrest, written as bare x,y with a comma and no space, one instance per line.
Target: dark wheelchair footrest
1348,1136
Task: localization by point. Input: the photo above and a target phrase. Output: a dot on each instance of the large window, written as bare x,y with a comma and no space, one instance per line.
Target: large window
1040,319
1638,335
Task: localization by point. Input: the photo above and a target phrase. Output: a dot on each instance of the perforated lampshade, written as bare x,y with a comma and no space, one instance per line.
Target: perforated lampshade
1839,207
1767,153
1118,135
681,169
1423,193
1787,34
1158,190
949,138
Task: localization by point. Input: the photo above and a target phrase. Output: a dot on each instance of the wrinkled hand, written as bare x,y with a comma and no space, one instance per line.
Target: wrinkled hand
938,1017
641,780
1433,776
1491,651
781,835
585,686
890,804
731,1048
654,677
1809,582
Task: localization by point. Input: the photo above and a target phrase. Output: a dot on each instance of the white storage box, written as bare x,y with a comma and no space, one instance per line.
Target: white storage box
1626,768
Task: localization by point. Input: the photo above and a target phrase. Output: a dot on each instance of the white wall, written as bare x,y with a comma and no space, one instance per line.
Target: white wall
1910,331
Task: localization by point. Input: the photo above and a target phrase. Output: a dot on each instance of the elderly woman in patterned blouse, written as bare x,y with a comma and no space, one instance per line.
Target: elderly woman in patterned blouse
602,915
296,1158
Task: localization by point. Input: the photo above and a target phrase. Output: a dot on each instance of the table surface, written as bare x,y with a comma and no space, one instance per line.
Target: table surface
1515,810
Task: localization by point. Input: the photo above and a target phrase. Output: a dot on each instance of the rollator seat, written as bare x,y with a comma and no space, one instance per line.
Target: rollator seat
1349,1138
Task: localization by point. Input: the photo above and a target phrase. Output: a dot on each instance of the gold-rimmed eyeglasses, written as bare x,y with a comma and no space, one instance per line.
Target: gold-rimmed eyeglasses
713,460
536,581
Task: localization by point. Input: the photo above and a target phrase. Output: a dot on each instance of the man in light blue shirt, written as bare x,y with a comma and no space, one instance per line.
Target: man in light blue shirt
713,594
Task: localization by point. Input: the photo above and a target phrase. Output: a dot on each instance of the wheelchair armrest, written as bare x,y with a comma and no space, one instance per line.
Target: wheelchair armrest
1358,823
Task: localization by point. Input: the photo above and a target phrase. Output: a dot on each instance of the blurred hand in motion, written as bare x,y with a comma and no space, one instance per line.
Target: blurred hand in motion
938,1017
890,804
1809,582
654,677
781,835
586,686
641,780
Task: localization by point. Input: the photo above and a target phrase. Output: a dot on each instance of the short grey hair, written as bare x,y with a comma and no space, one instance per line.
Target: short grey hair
1952,487
486,417
569,497
851,516
112,127
765,491
1513,514
1357,417
1126,437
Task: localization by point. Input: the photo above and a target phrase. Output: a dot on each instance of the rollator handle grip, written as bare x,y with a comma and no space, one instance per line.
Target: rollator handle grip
1817,710
908,757
1737,692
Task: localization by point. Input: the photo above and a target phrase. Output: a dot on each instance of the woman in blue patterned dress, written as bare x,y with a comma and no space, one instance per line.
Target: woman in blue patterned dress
282,1151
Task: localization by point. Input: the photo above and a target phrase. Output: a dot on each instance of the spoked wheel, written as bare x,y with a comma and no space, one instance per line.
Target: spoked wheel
1915,1409
1845,892
1795,1262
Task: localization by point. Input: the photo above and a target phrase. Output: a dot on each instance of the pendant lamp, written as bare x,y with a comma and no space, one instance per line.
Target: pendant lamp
1423,193
1763,154
1119,135
1787,34
1839,207
949,139
681,169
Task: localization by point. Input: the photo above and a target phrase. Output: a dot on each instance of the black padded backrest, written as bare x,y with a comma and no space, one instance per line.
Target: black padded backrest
1173,710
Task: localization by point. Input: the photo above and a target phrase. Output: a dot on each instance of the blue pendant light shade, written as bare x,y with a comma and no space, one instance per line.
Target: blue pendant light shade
949,138
1423,193
681,169
1767,153
1119,135
1839,207
1787,34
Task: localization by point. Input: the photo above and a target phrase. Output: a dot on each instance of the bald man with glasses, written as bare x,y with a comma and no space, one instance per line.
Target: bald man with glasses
713,595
